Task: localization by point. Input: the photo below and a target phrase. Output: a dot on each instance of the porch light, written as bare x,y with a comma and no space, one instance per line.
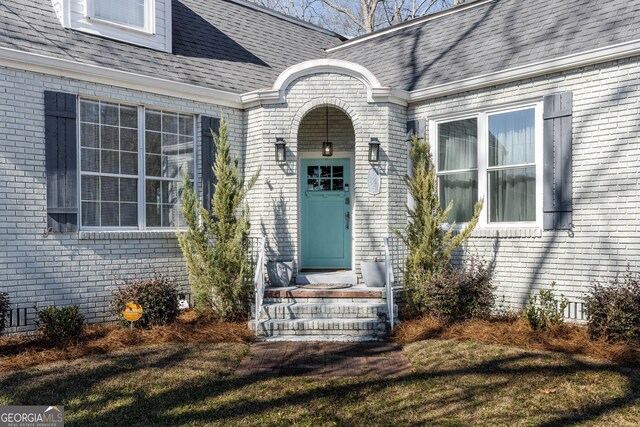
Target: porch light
281,151
374,150
327,149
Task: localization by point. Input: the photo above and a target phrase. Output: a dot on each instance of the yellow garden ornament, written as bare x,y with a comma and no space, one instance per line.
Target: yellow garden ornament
132,312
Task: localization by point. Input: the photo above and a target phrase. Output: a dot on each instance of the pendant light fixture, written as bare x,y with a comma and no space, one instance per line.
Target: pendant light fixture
327,146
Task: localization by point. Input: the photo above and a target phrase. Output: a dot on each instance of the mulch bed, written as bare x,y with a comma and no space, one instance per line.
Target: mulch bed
22,352
565,338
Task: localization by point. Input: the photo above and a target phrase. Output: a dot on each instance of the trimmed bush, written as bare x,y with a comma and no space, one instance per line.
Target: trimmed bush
614,310
465,292
4,310
62,324
430,244
545,310
158,297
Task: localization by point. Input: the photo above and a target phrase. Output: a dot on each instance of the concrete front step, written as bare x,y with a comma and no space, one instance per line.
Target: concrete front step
289,310
365,327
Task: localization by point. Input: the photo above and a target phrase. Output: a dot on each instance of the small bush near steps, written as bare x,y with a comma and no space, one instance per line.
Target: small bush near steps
158,297
614,310
62,324
545,310
4,309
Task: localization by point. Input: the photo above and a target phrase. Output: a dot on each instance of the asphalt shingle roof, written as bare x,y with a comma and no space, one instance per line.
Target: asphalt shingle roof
224,45
217,44
491,37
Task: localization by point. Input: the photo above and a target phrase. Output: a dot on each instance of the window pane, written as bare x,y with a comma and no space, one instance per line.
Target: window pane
458,145
313,172
153,165
153,215
128,190
129,117
128,214
462,190
169,123
90,111
153,143
109,114
512,138
90,187
110,161
186,125
512,195
129,163
109,138
91,214
89,135
109,189
109,214
128,12
153,120
90,160
129,140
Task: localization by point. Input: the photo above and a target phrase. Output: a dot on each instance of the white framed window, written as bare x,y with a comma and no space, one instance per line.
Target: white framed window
132,14
495,155
169,153
132,162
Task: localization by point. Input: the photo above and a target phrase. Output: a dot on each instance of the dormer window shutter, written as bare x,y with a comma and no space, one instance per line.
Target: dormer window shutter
558,138
209,126
61,161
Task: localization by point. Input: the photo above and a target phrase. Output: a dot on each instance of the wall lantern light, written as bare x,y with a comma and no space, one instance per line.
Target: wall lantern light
327,149
281,151
374,150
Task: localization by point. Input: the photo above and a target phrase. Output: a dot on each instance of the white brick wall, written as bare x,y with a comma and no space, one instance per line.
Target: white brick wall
71,268
83,268
606,183
306,101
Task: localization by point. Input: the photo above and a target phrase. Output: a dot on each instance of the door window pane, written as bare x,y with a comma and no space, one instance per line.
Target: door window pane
512,195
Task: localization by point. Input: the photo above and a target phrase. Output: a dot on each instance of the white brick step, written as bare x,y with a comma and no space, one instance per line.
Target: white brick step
322,310
333,326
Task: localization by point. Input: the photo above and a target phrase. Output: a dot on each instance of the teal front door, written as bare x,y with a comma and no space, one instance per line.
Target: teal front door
326,214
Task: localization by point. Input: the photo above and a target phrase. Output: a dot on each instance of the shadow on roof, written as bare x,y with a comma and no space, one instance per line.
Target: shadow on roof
195,37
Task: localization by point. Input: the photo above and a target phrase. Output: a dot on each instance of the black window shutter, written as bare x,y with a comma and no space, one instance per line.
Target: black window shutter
209,125
416,127
61,159
558,137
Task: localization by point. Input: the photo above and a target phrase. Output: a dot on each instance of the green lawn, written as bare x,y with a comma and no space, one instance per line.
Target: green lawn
452,383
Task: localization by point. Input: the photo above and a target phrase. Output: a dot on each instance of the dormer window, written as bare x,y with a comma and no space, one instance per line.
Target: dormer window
133,14
139,22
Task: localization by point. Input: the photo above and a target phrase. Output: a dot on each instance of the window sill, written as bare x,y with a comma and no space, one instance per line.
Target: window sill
126,234
506,233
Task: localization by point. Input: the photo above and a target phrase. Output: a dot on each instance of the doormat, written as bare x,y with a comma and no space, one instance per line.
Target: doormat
324,286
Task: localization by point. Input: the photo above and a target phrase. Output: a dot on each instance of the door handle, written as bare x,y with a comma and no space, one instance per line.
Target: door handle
346,219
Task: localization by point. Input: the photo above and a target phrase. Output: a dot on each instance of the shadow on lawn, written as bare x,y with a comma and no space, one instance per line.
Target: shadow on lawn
190,401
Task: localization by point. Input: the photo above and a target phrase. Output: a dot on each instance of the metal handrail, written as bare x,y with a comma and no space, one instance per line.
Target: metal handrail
388,279
258,282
